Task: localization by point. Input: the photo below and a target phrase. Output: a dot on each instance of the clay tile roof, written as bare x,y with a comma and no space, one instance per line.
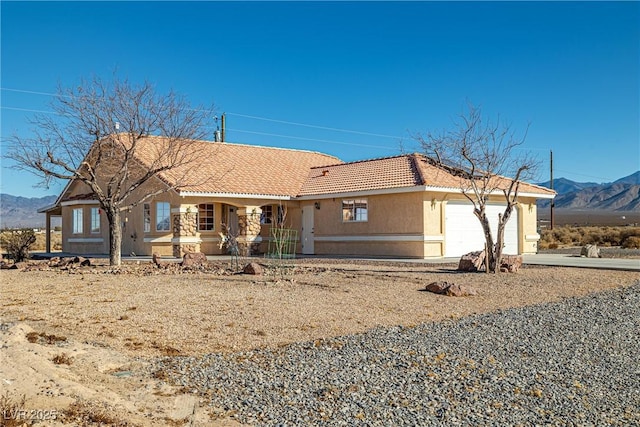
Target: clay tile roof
243,169
376,174
390,172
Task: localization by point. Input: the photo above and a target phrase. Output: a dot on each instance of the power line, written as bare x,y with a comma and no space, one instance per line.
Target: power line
312,139
356,132
33,92
242,131
29,110
313,126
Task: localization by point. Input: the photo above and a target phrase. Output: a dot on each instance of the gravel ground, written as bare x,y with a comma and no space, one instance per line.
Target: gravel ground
569,362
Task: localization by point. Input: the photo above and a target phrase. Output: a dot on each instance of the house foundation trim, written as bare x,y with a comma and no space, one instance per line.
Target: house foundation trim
85,240
157,240
186,239
384,238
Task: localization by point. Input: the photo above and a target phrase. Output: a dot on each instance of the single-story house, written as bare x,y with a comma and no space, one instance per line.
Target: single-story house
400,206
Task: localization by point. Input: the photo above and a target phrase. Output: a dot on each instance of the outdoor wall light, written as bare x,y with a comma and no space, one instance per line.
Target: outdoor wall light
317,205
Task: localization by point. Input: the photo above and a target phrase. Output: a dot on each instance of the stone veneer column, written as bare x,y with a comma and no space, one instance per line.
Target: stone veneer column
249,230
186,238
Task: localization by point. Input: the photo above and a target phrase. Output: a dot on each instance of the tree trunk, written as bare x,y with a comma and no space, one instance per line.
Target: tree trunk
484,221
115,236
502,222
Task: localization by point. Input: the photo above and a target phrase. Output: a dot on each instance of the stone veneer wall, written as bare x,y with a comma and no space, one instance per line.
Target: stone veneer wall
184,225
249,229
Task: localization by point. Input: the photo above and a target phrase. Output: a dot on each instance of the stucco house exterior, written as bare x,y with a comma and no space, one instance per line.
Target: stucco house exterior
400,206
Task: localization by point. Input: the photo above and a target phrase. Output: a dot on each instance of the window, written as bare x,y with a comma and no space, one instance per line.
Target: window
146,217
266,217
77,221
354,210
205,217
163,216
95,220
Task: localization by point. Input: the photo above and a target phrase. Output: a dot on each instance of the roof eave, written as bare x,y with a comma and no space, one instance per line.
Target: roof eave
234,195
412,189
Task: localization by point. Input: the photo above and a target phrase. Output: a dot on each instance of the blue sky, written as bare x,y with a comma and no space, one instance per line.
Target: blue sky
383,70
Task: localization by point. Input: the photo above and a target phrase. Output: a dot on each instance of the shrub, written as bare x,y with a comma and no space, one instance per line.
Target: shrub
631,242
17,243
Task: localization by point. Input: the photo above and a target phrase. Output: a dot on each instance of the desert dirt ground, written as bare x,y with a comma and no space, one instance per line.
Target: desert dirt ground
75,342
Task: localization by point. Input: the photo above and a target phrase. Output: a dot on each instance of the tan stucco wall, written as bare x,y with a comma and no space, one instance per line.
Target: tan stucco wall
85,242
395,227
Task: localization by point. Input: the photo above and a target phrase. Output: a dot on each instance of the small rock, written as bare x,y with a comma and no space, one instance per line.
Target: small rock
460,291
450,289
156,260
82,261
438,287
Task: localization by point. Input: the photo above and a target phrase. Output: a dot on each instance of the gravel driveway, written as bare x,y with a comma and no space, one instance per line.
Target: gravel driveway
572,362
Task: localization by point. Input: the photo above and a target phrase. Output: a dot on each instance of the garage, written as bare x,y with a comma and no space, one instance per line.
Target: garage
463,232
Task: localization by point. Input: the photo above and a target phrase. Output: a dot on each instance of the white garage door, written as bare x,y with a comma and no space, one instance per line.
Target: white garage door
463,232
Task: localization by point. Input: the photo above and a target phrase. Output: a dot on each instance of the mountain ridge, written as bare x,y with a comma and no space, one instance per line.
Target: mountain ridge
622,195
22,212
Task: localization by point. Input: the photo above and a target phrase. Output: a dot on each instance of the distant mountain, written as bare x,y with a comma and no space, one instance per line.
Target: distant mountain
632,179
620,195
19,212
564,185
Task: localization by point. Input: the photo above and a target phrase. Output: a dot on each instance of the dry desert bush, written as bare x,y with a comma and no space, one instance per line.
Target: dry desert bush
626,237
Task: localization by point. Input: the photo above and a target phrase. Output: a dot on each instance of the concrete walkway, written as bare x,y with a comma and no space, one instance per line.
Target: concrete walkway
563,260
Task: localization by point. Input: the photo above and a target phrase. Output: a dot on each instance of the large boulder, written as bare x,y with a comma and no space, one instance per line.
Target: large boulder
253,268
473,261
590,251
510,263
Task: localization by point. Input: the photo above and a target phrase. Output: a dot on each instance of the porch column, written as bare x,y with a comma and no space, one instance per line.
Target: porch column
186,238
249,230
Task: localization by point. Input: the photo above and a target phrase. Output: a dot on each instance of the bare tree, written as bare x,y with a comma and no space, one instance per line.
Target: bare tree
101,134
487,158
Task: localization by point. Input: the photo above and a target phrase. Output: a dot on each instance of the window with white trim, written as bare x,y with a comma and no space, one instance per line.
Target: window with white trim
163,216
95,220
355,210
266,217
206,221
77,221
146,217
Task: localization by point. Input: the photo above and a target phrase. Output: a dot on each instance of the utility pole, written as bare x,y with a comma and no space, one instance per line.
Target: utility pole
551,185
224,130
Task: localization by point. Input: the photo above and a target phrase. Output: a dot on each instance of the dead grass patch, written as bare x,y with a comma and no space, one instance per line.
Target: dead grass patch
62,359
11,410
91,413
44,338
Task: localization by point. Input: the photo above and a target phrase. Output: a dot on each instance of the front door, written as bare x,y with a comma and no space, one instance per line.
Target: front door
307,230
232,220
